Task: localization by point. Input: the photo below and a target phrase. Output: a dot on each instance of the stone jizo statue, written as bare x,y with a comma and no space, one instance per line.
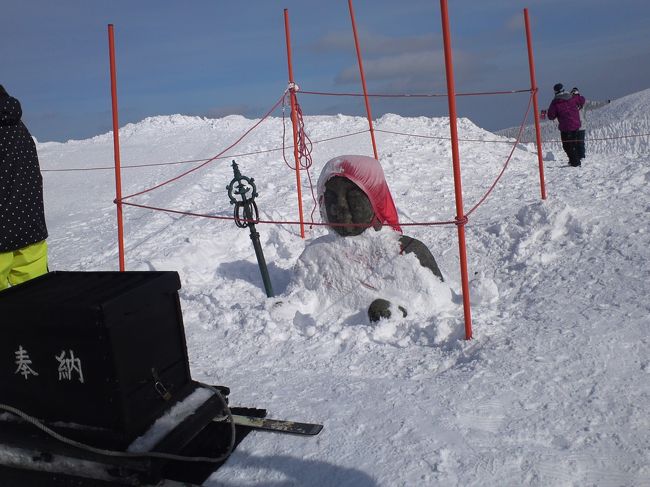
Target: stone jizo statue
353,196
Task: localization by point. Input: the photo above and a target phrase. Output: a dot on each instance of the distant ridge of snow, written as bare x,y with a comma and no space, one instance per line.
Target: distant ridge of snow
162,124
164,129
608,128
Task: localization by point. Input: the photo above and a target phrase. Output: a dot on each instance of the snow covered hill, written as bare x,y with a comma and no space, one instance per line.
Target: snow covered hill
621,127
554,390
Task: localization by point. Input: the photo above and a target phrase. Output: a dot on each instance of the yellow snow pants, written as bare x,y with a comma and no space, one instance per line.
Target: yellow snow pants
23,264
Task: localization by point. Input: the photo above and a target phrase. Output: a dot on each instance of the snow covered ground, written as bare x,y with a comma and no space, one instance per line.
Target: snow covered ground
554,389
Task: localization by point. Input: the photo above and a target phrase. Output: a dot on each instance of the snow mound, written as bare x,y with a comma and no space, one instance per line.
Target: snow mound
335,279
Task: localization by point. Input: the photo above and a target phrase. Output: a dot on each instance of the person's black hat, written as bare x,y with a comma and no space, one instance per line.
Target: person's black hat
558,87
575,91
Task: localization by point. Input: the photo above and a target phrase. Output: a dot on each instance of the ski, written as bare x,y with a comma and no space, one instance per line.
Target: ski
277,425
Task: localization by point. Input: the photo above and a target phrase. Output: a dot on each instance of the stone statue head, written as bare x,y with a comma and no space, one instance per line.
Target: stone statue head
345,202
353,190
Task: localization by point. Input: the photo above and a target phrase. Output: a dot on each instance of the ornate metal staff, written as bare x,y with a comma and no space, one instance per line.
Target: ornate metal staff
251,217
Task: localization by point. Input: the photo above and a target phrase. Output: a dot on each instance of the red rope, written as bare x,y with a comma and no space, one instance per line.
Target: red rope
351,134
304,150
276,222
243,154
100,168
212,158
456,221
289,222
591,139
514,146
442,138
415,95
217,217
304,142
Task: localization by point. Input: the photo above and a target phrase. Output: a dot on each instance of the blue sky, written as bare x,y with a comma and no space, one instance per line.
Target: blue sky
214,58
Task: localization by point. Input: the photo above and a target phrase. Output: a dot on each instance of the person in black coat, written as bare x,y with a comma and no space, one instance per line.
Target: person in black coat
23,248
583,125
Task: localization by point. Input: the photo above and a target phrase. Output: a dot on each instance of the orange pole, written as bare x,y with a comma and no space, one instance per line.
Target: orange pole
294,120
363,80
533,88
116,148
460,213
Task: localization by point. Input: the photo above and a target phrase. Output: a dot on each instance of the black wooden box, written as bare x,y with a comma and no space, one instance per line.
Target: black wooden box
104,350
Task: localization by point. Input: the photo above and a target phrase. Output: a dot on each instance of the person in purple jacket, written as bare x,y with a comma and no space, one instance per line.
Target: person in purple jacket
566,108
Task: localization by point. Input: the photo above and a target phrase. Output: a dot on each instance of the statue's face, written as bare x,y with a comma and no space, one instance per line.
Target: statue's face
345,202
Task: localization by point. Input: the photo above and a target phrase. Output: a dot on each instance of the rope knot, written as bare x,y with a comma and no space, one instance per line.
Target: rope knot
292,87
461,221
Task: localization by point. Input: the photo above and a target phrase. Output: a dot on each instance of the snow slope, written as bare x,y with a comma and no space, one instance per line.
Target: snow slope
554,389
621,127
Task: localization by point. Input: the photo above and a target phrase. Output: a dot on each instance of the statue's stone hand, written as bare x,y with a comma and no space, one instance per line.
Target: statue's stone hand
380,308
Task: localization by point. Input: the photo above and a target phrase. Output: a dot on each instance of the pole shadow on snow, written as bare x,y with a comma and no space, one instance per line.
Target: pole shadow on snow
250,272
297,472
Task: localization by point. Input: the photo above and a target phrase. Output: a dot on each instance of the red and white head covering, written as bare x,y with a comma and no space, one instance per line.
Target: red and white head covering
366,173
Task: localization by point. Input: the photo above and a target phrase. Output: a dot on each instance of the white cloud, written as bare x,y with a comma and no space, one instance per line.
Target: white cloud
372,43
